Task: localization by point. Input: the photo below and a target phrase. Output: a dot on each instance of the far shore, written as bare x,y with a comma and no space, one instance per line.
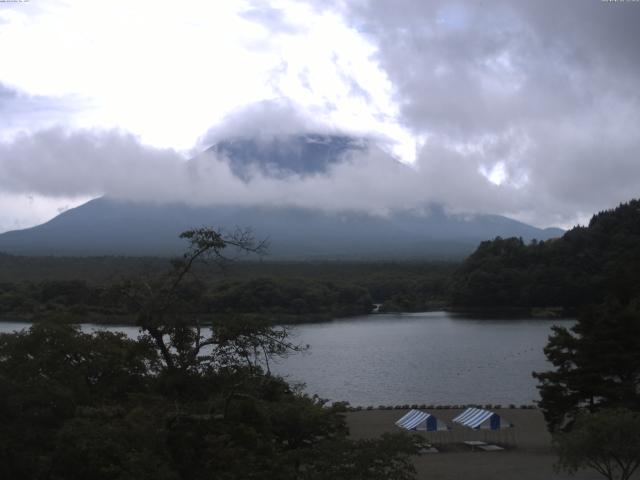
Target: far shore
289,319
530,458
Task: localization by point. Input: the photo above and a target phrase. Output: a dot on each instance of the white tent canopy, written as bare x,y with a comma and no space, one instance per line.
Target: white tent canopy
480,419
419,420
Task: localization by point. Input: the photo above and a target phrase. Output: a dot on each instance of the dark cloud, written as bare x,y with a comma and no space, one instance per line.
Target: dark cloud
546,89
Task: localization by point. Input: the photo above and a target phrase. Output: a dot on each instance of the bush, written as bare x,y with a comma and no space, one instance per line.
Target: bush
607,441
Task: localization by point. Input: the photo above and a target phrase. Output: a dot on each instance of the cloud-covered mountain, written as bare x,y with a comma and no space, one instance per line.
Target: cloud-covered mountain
285,155
111,227
526,109
139,227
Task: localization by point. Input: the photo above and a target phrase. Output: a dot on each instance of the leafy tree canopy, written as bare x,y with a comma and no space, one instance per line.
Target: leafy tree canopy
185,400
585,266
607,441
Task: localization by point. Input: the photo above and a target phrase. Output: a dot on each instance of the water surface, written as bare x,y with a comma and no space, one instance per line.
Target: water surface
430,358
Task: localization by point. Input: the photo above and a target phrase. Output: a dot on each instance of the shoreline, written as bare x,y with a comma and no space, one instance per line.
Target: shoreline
293,320
531,458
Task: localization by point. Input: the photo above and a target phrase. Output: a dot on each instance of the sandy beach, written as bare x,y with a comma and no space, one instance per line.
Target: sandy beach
530,458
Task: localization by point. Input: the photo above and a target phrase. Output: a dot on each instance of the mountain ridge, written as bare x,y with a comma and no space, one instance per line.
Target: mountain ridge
112,227
107,226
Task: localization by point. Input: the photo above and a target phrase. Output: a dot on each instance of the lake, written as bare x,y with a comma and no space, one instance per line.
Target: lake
430,358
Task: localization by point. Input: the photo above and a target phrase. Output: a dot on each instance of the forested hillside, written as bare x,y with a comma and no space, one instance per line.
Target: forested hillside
585,266
92,289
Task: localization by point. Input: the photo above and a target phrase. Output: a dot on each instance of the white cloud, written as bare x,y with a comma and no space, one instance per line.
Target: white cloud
167,71
57,164
529,108
22,210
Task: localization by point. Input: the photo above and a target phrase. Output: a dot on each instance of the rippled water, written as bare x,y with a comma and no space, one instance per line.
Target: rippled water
432,358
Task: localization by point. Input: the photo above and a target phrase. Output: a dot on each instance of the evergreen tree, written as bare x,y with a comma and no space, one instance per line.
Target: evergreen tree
597,365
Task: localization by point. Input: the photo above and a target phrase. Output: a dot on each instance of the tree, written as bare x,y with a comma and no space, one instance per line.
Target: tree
52,377
597,365
607,441
389,457
180,402
586,265
163,312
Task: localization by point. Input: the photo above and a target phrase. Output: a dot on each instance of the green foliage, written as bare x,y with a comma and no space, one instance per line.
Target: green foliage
272,297
607,441
48,374
363,460
76,405
173,404
285,293
597,365
586,265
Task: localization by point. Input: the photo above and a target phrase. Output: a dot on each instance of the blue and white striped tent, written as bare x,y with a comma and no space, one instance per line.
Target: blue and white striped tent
419,420
480,419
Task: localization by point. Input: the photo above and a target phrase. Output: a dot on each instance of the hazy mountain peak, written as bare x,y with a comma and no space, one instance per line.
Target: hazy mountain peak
282,155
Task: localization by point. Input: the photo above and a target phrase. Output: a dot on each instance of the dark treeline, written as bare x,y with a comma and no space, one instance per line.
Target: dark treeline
284,292
585,266
279,299
112,269
93,270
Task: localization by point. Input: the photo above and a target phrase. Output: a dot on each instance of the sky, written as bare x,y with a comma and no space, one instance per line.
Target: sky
527,109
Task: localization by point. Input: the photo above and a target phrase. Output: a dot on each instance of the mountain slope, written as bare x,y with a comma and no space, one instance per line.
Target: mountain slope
110,227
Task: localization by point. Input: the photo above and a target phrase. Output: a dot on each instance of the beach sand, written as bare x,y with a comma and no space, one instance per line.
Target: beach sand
530,458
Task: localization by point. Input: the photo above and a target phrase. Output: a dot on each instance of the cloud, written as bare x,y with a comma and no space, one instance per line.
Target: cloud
169,75
21,112
268,118
529,109
61,164
21,210
544,93
271,18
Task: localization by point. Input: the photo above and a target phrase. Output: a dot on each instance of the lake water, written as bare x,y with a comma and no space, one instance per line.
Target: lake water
430,358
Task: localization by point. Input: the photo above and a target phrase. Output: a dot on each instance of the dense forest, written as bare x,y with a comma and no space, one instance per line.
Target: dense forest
283,291
585,266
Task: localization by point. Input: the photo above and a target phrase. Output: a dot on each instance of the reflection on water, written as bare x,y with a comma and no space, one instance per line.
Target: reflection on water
430,358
